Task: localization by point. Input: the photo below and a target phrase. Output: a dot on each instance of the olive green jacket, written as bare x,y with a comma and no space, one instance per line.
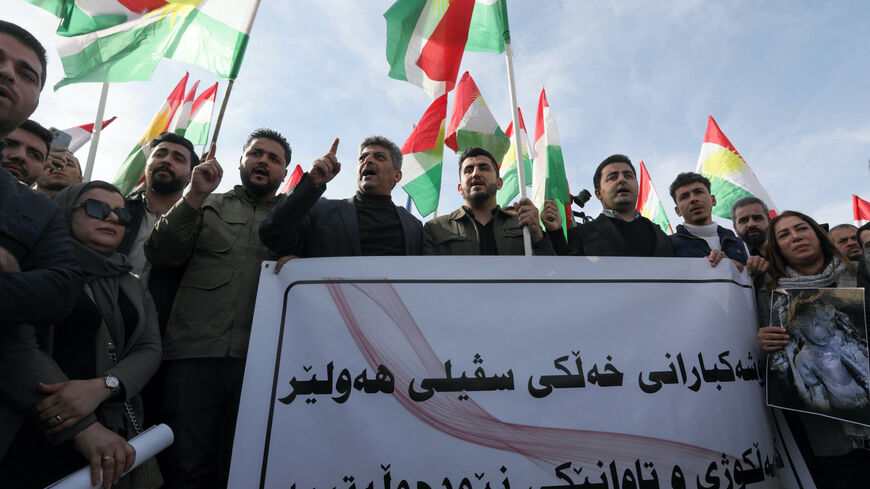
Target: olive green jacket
212,313
456,234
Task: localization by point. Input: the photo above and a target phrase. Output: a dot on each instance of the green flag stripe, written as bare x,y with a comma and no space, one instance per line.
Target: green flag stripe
726,194
206,42
425,190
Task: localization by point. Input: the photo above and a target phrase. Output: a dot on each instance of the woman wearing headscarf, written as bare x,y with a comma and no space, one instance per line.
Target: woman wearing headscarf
109,346
803,257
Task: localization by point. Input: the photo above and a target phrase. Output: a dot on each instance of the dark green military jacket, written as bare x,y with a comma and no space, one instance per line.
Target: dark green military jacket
212,313
456,234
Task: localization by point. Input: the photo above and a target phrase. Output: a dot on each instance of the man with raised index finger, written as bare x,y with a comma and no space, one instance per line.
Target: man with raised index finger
366,224
206,338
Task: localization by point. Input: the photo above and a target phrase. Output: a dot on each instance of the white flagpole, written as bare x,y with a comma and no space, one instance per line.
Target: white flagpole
95,138
509,56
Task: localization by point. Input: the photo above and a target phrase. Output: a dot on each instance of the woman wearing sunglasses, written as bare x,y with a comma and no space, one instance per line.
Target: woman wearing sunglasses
109,346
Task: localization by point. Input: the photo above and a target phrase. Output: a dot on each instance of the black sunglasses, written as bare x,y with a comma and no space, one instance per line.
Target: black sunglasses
101,210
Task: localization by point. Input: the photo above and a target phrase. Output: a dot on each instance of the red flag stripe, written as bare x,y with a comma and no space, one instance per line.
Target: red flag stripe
293,180
442,53
425,134
716,136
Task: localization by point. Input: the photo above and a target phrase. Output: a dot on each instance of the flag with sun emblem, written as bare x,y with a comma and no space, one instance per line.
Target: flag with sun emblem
123,40
730,177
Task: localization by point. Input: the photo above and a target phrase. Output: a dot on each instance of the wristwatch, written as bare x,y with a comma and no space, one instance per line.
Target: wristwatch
112,383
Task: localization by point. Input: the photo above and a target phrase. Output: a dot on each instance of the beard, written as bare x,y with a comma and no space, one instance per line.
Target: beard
163,185
259,189
478,198
753,240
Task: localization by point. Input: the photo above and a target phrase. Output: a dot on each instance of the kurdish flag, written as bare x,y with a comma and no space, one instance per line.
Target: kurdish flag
133,168
649,204
424,151
472,124
200,116
426,38
123,40
82,134
181,119
508,167
549,180
730,177
860,210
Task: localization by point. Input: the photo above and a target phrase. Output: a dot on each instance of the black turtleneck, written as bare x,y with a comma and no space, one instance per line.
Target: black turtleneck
380,231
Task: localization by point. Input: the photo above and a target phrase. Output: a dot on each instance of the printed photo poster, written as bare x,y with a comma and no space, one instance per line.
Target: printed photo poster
825,368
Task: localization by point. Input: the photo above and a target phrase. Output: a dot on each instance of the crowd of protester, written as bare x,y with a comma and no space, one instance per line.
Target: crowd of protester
119,312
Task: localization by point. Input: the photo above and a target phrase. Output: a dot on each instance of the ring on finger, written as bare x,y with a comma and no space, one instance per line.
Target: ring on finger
58,420
108,458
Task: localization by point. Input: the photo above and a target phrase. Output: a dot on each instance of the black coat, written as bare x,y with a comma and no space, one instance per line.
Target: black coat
601,238
307,226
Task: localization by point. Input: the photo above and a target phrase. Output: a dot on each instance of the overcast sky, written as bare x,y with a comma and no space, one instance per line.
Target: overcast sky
787,81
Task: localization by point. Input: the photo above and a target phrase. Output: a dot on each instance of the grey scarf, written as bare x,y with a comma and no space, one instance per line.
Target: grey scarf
835,272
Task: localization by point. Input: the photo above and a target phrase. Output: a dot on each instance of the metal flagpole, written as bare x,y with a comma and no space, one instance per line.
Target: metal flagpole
509,56
95,138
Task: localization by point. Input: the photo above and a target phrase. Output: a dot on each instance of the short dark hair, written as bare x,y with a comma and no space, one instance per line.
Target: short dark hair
687,178
24,37
864,227
42,133
171,137
475,151
395,152
617,158
751,200
266,133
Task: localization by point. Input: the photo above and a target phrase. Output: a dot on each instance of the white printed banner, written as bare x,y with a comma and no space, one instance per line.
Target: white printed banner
492,373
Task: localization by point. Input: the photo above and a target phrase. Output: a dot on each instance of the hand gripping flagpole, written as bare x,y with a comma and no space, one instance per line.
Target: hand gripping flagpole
95,138
527,238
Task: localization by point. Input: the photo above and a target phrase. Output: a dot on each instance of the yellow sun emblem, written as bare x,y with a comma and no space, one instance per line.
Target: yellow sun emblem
724,163
174,9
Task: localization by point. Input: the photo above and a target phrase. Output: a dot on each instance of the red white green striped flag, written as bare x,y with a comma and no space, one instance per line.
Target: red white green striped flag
730,177
649,204
508,167
181,119
472,124
133,168
200,116
423,155
123,40
82,134
548,173
426,38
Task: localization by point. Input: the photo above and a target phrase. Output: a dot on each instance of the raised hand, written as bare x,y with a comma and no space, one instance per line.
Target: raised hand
550,216
326,167
204,180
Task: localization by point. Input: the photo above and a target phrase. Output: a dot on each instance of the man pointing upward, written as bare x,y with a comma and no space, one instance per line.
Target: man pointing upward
366,224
